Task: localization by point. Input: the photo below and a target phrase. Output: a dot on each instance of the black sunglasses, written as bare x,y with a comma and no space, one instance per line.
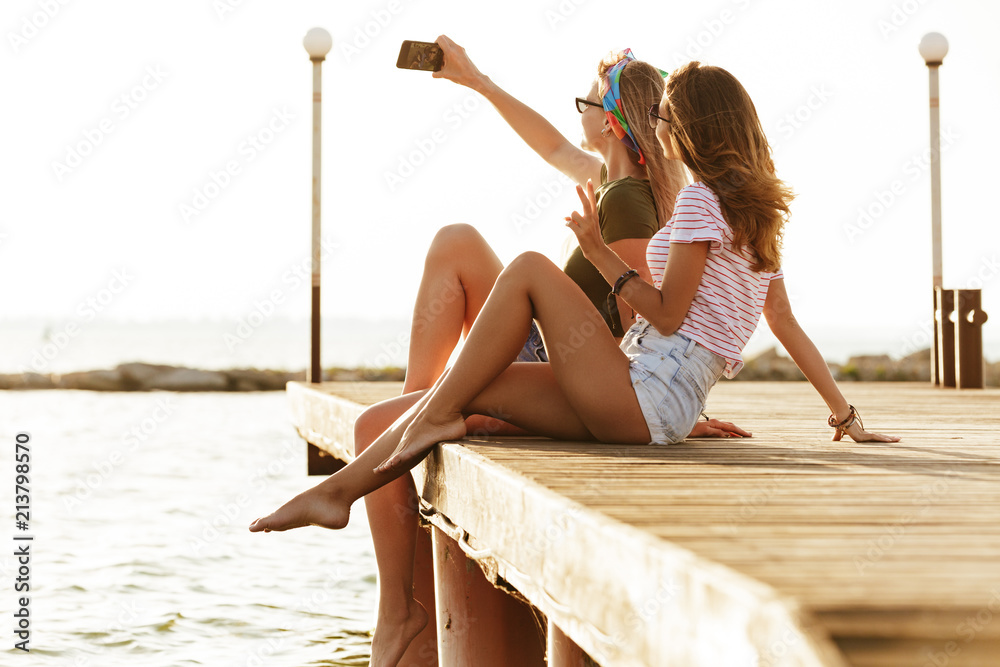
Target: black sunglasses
655,117
582,104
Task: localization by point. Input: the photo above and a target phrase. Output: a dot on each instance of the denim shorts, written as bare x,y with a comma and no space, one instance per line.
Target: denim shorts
534,348
671,376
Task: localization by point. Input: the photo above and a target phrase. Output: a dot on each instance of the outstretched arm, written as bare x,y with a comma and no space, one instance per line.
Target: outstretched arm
537,132
778,311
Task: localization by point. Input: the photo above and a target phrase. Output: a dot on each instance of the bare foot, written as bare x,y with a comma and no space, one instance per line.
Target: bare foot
393,636
423,433
315,507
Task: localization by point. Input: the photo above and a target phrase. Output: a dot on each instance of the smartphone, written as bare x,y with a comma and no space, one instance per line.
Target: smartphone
420,55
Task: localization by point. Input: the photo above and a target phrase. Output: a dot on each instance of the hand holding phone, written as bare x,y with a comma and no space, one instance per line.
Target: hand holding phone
426,56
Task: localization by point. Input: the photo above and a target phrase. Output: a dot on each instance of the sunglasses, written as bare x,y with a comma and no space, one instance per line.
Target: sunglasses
654,117
582,104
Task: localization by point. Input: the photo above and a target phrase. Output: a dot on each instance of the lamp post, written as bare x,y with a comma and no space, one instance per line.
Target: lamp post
933,47
317,43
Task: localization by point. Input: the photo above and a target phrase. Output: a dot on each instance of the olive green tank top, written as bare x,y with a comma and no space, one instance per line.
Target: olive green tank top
626,210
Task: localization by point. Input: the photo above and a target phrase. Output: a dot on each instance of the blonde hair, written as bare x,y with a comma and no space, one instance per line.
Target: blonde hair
641,86
719,137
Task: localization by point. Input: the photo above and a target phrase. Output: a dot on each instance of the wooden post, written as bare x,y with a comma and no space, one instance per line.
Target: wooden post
319,462
968,321
478,624
944,337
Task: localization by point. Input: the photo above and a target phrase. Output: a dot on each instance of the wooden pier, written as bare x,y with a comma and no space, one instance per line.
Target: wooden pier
782,549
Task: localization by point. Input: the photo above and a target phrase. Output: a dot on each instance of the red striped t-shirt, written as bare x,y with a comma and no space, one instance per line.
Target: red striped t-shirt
730,297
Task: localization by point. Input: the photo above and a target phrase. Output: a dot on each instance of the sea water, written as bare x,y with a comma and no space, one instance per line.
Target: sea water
62,346
139,507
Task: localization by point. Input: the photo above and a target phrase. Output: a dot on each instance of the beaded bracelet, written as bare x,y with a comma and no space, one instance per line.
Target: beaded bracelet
622,279
612,302
842,427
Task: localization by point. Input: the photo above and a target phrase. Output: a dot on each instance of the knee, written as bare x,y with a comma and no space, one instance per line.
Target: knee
366,429
455,240
371,423
529,265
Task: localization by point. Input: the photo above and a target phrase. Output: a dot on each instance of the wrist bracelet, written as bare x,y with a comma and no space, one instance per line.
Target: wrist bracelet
622,279
841,427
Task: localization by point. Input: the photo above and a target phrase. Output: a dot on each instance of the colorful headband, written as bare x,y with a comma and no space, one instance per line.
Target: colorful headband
612,100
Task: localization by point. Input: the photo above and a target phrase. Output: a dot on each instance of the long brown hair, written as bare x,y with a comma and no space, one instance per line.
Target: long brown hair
642,86
719,137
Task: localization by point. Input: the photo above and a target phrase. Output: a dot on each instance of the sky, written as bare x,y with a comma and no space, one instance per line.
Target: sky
156,156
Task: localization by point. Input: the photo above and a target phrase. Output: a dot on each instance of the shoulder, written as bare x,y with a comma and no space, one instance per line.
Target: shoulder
698,217
698,205
699,199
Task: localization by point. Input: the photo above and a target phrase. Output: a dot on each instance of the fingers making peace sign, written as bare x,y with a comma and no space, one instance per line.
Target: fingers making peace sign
586,226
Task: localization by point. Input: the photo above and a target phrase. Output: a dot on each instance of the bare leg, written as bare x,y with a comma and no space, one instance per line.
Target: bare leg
328,504
590,369
459,273
392,515
406,593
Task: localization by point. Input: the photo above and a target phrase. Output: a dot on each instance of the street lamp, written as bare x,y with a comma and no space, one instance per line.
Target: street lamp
933,47
317,43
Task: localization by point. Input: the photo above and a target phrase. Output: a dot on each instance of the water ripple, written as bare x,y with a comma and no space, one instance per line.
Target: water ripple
143,554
